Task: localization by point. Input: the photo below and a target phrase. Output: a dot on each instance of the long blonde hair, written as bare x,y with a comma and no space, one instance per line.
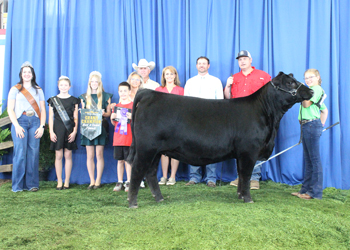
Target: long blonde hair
317,74
99,90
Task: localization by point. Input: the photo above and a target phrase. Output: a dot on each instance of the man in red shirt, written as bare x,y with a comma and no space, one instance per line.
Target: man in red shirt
242,84
248,80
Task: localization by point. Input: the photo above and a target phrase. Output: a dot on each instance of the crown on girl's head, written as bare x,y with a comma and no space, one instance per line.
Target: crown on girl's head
95,73
26,64
63,78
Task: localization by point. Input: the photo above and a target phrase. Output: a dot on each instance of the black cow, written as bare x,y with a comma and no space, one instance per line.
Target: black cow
200,131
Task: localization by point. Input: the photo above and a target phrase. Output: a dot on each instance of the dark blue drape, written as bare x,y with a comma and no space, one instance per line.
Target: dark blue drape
75,37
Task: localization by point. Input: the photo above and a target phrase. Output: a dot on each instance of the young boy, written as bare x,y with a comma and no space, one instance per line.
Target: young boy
122,134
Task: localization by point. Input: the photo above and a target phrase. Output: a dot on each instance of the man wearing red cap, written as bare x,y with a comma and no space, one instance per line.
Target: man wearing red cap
242,84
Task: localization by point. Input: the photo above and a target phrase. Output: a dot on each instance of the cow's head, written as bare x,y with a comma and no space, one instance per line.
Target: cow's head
288,84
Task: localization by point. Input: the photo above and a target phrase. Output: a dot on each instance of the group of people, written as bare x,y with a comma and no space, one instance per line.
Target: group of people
26,108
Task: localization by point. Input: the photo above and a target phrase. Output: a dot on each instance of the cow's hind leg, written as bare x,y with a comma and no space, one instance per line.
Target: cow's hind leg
245,169
152,181
138,171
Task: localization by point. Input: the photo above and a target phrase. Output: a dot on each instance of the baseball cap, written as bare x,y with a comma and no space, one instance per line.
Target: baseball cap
243,53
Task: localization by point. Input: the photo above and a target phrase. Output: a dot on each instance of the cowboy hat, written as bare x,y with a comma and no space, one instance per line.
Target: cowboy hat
143,63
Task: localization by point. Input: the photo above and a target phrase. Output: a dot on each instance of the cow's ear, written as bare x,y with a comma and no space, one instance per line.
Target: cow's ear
278,77
291,74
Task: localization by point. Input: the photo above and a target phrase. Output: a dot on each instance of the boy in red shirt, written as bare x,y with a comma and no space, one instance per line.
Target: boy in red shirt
122,137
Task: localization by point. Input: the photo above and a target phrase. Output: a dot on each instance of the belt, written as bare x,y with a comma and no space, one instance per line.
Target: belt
28,113
306,121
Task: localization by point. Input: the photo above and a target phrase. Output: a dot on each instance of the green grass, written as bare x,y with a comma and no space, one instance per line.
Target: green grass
196,217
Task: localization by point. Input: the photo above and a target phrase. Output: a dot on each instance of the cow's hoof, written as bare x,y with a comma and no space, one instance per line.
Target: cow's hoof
133,206
159,199
240,197
248,201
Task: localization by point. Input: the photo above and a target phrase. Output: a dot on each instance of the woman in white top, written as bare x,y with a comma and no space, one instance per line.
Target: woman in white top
27,129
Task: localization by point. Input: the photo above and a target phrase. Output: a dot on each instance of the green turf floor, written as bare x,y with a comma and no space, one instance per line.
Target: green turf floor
195,217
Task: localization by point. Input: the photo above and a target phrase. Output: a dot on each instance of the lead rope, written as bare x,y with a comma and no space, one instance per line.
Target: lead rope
300,140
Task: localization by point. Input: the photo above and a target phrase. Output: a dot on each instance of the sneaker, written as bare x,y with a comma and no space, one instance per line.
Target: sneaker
142,185
162,181
234,183
254,185
190,183
118,187
171,181
126,186
211,184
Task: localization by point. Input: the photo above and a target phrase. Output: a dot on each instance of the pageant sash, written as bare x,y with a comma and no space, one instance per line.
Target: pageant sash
62,113
93,103
29,98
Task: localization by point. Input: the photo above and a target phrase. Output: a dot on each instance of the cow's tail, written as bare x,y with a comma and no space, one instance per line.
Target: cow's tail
132,150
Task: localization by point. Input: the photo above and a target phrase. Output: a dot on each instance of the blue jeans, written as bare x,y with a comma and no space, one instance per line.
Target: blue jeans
313,174
196,173
256,175
25,173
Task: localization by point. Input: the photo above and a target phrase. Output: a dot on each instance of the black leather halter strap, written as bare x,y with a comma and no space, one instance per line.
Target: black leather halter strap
292,92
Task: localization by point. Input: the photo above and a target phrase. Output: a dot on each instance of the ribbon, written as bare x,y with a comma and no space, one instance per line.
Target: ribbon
123,122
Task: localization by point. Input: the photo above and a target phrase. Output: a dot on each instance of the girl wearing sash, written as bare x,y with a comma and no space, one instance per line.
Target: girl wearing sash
96,96
313,115
63,124
171,85
26,109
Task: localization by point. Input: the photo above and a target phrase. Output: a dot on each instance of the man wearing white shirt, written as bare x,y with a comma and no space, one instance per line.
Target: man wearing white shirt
144,68
204,86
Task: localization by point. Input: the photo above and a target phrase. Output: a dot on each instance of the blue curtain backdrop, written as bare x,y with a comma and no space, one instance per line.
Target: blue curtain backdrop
75,37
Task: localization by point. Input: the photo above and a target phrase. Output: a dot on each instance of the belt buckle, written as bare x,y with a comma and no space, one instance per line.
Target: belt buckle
306,121
30,113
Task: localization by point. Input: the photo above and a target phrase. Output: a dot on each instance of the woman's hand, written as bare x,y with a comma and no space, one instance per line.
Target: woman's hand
39,132
53,137
128,115
71,137
19,131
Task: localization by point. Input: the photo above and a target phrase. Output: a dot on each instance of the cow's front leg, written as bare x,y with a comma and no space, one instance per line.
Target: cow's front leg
245,169
244,194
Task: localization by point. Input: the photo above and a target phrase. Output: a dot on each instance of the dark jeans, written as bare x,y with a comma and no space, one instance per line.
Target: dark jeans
313,174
